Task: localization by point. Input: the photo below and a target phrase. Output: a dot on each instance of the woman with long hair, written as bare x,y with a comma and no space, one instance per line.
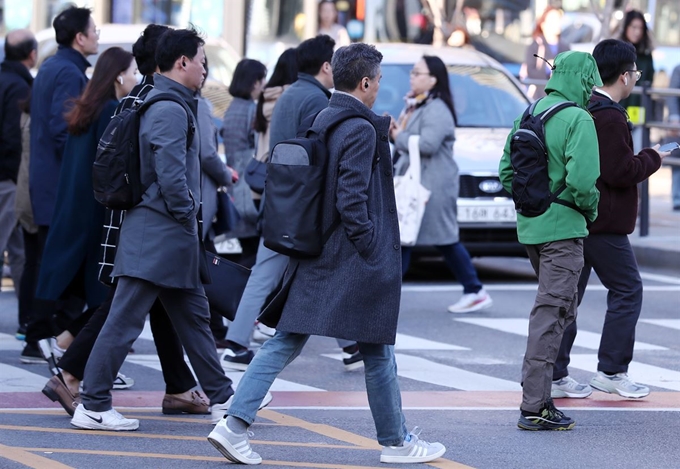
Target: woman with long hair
70,260
546,43
636,32
239,138
430,114
328,23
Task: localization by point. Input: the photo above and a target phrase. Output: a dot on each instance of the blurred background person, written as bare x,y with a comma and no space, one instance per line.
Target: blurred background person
636,32
328,23
239,147
673,103
430,114
70,262
269,265
459,38
547,44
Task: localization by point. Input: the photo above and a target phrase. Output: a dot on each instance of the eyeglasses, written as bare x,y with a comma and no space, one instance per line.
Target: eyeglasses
638,74
415,73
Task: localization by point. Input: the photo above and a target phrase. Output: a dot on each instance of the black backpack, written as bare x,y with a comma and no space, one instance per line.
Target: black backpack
296,177
595,106
529,160
116,173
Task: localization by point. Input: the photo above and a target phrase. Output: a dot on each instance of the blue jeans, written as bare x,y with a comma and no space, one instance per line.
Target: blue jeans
675,187
382,386
457,260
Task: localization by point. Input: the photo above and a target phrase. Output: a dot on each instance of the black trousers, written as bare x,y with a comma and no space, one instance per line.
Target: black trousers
29,278
176,373
613,259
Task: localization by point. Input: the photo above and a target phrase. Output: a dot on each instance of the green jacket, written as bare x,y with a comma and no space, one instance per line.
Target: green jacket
573,153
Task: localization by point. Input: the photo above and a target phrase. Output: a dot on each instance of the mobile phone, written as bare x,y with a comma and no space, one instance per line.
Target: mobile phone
669,147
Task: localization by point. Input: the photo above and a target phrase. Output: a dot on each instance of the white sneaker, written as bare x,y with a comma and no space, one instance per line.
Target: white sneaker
414,450
123,382
569,387
263,333
110,420
472,302
217,411
619,384
233,446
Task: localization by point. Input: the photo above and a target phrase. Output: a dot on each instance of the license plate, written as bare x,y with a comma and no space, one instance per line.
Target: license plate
228,246
486,213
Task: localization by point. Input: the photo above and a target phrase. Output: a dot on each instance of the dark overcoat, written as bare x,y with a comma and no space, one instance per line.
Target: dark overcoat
159,239
76,226
61,78
352,290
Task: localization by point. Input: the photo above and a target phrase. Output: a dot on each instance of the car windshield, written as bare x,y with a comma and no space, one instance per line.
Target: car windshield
482,96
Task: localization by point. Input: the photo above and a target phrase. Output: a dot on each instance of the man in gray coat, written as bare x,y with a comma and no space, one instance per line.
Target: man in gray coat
160,253
352,289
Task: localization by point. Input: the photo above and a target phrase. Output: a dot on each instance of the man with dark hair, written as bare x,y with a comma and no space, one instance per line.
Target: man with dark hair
363,250
173,269
607,249
60,79
21,51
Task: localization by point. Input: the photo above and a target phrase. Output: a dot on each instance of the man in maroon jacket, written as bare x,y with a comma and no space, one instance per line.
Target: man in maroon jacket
607,249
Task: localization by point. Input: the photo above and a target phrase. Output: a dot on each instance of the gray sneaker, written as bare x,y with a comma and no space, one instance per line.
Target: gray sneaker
619,384
414,450
569,387
233,446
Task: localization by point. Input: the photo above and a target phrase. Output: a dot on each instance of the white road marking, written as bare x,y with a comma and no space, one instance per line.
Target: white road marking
409,342
517,287
670,323
520,326
16,379
9,342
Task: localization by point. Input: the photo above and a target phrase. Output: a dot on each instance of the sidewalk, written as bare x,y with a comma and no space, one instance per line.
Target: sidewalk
661,249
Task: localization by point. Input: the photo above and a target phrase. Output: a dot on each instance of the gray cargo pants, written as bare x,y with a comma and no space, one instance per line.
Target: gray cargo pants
558,265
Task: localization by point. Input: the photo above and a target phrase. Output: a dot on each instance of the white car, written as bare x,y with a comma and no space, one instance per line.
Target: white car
487,99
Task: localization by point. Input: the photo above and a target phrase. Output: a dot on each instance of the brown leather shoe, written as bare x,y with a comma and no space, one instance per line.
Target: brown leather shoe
56,391
173,405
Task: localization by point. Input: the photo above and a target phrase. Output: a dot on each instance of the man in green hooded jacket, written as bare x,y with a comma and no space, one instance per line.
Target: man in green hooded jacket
554,239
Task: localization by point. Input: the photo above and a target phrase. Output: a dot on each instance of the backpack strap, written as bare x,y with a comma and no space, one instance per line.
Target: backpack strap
602,105
171,97
554,109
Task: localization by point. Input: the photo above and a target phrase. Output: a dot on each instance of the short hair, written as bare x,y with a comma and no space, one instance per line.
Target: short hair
69,23
313,53
613,57
175,43
21,50
354,62
144,49
247,73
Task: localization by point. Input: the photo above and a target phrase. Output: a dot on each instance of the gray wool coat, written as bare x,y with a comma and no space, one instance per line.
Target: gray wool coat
352,290
159,239
433,122
214,172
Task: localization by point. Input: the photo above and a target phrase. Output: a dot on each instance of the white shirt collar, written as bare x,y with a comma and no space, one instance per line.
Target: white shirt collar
603,92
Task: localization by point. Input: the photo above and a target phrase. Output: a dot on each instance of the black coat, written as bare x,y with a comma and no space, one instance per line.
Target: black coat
352,290
15,86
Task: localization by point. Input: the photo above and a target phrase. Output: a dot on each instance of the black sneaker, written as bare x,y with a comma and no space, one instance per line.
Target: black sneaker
549,418
237,360
31,355
355,359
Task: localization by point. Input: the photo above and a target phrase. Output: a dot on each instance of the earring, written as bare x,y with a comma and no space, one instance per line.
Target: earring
625,81
120,80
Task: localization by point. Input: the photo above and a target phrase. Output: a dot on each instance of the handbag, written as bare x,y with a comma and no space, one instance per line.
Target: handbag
227,215
256,175
229,280
411,196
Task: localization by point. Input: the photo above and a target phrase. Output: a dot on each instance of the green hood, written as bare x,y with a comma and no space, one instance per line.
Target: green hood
574,76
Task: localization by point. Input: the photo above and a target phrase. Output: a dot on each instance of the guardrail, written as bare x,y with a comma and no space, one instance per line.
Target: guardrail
648,95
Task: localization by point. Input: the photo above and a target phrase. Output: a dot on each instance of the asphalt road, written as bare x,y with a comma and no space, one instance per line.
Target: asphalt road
459,376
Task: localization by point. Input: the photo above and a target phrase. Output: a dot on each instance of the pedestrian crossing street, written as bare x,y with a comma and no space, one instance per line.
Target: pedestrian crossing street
421,360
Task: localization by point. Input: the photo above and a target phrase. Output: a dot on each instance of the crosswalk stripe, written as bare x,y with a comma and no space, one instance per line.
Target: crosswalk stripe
9,342
427,371
409,342
639,372
520,326
152,361
531,287
670,323
15,379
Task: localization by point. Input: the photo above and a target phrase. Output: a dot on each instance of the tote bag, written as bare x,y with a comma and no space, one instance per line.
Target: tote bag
411,196
229,280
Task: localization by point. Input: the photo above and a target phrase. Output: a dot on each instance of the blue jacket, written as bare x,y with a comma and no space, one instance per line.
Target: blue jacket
60,79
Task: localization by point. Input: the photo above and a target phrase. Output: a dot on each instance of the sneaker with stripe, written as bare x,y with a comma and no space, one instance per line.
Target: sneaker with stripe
549,418
233,446
413,450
